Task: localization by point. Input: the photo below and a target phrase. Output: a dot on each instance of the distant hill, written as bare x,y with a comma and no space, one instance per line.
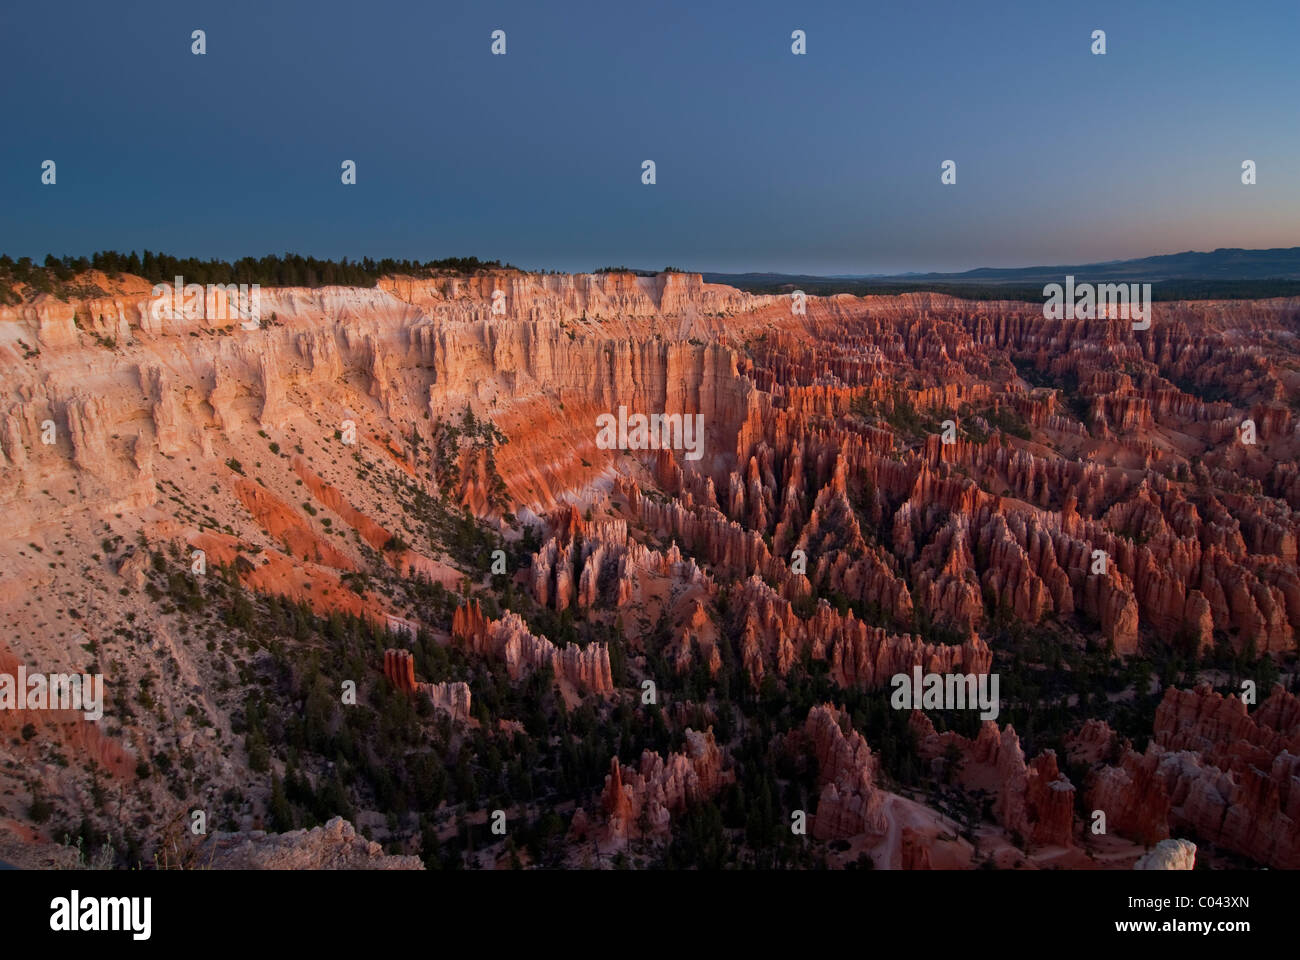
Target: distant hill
1228,273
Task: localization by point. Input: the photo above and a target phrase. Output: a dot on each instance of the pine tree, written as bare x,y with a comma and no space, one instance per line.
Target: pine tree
281,812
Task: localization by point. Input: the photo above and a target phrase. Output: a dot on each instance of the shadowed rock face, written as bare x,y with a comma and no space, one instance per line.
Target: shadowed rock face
1231,777
1098,480
1033,800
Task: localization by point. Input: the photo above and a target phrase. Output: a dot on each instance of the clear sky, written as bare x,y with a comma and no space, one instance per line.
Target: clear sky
822,163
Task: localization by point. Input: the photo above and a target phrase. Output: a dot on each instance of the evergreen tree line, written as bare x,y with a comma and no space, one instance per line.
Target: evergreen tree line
289,270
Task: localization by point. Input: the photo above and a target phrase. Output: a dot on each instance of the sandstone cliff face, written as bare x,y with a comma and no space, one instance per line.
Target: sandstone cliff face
411,347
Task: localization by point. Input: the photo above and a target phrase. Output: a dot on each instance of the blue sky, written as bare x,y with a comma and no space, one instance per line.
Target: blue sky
823,163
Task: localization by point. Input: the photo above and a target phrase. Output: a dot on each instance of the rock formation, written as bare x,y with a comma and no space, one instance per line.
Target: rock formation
850,803
335,846
640,801
1169,855
509,640
1214,769
1033,800
451,698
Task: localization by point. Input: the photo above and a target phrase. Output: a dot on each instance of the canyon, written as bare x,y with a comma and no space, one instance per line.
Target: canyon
400,489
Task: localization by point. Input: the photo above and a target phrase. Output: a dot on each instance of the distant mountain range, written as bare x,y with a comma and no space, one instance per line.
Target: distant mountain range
1225,273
